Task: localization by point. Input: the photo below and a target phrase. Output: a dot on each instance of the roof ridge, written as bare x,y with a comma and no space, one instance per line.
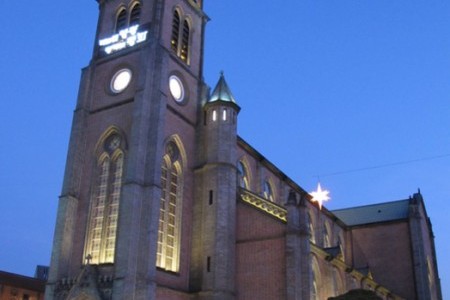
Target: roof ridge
369,205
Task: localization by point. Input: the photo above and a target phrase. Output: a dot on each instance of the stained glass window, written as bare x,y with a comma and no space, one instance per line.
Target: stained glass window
104,207
168,247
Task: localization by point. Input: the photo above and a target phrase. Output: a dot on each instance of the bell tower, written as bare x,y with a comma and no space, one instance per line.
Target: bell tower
124,223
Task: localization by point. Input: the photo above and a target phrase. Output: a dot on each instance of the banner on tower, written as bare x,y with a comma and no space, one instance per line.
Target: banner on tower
126,38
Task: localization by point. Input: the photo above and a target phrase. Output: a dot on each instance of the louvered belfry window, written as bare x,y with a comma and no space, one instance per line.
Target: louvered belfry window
175,31
135,14
180,36
121,22
185,42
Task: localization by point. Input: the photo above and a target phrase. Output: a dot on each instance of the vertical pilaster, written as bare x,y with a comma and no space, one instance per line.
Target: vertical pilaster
298,265
305,248
141,192
418,249
62,242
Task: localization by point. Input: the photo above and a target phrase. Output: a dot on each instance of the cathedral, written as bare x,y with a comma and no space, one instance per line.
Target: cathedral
162,199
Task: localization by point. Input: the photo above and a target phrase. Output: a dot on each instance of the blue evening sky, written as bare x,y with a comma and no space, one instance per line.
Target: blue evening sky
325,86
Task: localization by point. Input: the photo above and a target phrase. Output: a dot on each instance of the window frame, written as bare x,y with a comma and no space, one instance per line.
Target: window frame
102,223
171,167
121,19
181,35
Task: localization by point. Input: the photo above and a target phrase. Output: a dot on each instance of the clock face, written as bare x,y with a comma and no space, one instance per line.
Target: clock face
176,88
120,80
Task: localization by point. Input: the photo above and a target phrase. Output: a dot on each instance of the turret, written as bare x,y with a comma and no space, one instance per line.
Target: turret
220,124
215,208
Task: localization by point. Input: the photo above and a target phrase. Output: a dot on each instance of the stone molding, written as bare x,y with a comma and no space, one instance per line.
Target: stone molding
263,204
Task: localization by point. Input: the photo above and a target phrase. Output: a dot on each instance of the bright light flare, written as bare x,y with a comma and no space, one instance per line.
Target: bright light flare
320,196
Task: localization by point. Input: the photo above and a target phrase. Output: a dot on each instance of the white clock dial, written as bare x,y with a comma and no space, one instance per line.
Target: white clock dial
176,88
121,80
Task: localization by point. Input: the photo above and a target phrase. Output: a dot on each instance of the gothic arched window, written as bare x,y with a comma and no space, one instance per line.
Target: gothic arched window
337,282
175,31
121,21
312,237
135,14
341,245
180,36
168,249
184,54
315,279
104,207
326,236
268,191
242,175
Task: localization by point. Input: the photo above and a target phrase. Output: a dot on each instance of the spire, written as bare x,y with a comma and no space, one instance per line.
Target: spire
222,92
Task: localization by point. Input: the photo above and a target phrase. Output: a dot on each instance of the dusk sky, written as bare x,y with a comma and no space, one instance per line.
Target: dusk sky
355,93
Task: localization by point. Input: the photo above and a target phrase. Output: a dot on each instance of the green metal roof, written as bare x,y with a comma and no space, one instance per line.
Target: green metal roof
222,92
383,212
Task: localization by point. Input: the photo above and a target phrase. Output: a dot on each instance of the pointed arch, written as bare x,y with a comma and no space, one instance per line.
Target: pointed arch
341,244
180,37
338,283
316,279
185,41
121,19
169,228
110,131
176,22
135,13
244,174
326,235
105,198
268,191
311,225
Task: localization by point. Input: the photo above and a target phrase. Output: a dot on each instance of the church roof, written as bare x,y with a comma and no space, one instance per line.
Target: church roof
222,92
383,212
20,281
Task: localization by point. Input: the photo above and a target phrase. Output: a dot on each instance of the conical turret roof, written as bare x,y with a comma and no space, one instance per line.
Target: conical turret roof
222,92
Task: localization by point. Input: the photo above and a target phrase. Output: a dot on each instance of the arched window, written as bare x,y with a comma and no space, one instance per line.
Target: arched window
312,237
175,31
168,249
337,287
334,282
104,208
315,279
135,14
180,36
326,236
314,287
341,244
268,191
184,54
121,21
242,175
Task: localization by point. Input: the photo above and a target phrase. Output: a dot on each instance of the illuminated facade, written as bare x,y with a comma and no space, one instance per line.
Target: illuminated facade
163,200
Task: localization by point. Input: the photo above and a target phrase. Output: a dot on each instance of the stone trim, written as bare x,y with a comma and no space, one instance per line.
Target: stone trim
264,205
